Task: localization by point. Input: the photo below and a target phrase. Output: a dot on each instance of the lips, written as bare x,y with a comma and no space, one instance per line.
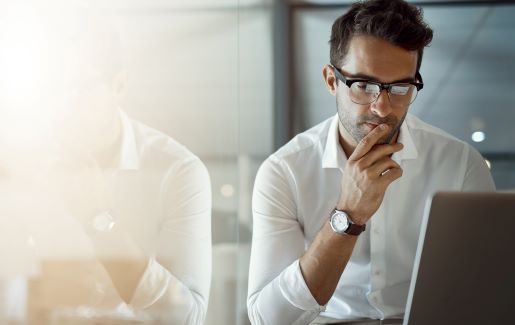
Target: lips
371,125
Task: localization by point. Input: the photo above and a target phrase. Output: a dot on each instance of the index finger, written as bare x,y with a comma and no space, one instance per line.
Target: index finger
369,141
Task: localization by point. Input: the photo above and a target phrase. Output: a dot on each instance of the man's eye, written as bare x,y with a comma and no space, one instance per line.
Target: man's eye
371,88
365,87
399,89
361,85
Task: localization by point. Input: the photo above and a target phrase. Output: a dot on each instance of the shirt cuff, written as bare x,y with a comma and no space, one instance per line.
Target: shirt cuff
152,285
294,289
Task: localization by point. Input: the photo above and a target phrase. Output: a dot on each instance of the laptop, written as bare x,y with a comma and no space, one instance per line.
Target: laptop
464,271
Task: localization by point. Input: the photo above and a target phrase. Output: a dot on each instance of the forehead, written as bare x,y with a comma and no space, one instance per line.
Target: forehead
373,56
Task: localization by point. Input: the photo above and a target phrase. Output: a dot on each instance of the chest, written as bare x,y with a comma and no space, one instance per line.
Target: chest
399,214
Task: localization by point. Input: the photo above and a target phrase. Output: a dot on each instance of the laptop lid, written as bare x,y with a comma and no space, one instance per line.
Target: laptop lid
464,271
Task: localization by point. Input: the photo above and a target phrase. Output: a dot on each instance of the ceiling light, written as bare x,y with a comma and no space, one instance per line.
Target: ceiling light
227,190
478,136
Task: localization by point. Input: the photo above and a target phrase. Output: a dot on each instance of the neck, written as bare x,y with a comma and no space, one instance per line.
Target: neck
347,143
108,153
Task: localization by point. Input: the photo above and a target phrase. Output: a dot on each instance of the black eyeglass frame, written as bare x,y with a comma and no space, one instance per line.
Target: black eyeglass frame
385,86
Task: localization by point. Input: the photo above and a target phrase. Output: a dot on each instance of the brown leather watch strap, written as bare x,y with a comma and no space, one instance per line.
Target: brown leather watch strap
355,229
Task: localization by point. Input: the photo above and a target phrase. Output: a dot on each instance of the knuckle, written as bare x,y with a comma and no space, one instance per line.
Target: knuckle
392,149
365,142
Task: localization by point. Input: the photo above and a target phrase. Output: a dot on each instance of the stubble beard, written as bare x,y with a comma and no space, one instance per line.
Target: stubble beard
354,126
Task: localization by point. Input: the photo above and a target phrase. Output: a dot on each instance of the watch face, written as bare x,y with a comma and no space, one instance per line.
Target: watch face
103,222
340,222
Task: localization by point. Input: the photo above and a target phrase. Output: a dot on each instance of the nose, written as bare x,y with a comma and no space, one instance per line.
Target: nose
382,107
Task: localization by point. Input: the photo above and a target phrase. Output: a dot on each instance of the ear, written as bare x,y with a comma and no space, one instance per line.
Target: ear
329,79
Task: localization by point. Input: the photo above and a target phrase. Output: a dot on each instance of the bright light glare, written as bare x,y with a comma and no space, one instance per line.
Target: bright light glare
22,53
23,63
488,163
227,190
478,136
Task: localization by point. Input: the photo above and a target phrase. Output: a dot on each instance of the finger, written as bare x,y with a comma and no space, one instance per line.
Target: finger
381,166
391,175
379,151
369,141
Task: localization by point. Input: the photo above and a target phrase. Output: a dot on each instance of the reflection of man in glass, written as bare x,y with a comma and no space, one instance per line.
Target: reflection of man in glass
337,210
120,213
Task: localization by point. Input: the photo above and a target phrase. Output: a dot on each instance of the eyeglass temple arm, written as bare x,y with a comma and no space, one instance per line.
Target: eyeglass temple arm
420,82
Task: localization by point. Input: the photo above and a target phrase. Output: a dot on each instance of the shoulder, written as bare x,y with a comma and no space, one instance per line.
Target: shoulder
160,152
427,136
151,141
444,150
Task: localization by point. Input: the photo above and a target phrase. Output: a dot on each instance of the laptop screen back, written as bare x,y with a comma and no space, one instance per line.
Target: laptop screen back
464,271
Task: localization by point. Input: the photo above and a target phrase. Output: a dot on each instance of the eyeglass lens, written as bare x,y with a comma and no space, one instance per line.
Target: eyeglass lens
366,93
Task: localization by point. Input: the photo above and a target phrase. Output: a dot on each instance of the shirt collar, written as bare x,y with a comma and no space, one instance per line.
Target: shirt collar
410,150
129,155
334,157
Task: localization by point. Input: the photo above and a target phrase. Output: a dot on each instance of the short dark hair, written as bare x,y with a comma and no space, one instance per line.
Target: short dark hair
394,21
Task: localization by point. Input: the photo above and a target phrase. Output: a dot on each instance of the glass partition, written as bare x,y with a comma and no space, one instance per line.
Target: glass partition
119,176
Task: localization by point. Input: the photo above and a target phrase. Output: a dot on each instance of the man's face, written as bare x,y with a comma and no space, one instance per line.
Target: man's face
378,60
63,93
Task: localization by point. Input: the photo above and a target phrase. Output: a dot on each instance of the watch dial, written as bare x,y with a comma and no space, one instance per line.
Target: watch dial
340,222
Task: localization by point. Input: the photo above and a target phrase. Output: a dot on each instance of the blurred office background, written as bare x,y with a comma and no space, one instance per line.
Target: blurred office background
234,80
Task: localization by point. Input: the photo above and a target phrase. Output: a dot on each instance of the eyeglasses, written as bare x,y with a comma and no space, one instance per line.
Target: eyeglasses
364,91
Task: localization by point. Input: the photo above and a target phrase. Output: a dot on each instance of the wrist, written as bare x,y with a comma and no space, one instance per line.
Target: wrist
356,217
99,223
342,224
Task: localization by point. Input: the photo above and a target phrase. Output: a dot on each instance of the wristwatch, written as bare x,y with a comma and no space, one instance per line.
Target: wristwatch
103,222
342,225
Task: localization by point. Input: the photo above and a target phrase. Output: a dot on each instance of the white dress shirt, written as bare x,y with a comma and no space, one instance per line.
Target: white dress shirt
296,189
162,192
160,195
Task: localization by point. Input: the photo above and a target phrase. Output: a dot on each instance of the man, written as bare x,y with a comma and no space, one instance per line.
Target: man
337,210
116,214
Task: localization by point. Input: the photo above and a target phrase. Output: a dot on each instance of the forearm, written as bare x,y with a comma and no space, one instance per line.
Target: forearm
284,300
122,258
167,299
324,262
146,284
125,275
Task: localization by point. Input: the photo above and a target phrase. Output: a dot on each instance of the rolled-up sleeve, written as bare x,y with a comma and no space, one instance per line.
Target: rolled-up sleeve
175,285
277,292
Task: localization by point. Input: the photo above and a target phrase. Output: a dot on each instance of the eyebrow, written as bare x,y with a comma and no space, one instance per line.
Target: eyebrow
371,78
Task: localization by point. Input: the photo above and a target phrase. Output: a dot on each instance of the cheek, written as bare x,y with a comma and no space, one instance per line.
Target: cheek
349,109
343,101
400,113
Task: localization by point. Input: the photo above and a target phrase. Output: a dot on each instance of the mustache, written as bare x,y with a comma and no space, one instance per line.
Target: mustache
390,120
